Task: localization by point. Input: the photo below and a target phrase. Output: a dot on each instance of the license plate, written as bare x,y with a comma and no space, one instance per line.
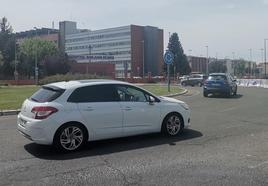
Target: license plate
215,84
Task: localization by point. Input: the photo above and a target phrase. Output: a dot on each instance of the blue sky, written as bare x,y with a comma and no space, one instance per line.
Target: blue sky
226,26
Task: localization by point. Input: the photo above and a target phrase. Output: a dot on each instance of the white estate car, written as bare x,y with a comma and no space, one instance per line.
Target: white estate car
68,114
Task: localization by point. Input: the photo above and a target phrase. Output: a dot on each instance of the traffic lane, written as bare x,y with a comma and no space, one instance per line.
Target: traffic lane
220,155
186,162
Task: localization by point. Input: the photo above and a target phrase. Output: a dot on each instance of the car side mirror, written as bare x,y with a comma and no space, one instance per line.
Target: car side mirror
151,100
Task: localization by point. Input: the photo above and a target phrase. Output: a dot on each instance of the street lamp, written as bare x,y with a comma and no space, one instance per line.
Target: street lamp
142,58
250,68
89,56
15,69
35,64
207,60
265,58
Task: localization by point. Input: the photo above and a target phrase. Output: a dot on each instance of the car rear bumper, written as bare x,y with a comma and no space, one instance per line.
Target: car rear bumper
224,90
33,130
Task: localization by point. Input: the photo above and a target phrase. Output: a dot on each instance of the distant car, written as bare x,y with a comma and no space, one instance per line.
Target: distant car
194,80
220,83
68,114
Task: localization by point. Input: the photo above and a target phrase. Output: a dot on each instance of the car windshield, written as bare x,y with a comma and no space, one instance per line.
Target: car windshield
217,77
46,94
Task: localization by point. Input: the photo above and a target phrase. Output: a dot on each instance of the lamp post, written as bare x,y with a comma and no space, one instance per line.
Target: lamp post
89,56
265,58
207,60
250,68
15,69
35,64
142,58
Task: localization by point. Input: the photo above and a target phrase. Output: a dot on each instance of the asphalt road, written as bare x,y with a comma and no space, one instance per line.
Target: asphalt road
226,145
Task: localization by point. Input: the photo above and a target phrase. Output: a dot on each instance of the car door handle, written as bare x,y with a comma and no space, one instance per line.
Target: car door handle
127,108
88,109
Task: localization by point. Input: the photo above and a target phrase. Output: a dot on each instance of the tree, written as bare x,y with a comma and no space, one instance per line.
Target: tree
5,26
217,67
34,49
240,67
7,47
57,64
180,60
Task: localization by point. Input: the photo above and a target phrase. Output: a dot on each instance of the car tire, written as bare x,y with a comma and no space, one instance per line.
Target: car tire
183,84
70,137
172,125
205,94
230,93
235,92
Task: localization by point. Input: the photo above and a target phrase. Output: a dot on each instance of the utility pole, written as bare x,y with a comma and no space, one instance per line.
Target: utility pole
207,60
265,58
142,59
89,57
15,70
35,64
250,67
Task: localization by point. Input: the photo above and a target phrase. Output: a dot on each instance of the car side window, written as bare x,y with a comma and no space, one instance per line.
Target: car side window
94,93
131,94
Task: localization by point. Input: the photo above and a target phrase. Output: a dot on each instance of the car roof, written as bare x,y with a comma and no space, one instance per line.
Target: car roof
218,74
86,82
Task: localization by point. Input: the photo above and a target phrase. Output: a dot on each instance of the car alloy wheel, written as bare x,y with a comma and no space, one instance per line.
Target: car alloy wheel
172,125
70,137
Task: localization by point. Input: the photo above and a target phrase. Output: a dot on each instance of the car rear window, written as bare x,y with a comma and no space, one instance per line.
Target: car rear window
217,77
47,94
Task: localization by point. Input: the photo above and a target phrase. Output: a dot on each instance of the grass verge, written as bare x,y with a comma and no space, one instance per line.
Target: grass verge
12,97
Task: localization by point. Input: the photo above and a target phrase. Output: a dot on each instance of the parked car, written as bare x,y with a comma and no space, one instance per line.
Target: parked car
220,83
68,114
193,80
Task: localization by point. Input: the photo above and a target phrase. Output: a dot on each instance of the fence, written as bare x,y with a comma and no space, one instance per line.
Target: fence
252,83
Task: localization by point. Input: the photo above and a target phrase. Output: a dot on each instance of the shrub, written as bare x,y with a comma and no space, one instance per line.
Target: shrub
69,77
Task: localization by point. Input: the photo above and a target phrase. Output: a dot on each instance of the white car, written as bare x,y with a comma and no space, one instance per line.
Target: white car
68,114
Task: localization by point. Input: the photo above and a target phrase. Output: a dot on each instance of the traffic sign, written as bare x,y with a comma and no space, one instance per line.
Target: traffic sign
168,57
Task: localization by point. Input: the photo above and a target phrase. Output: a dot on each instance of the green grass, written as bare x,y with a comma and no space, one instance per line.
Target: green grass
11,97
161,90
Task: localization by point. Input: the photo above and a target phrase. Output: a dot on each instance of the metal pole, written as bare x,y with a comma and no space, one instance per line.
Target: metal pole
142,59
35,64
264,58
168,78
89,57
207,61
250,63
15,70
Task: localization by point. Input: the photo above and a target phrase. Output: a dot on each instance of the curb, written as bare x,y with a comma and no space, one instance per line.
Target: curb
15,112
173,95
9,112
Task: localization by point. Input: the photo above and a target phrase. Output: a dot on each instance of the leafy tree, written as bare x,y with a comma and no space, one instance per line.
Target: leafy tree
57,64
7,46
217,66
181,63
239,67
1,59
5,26
35,49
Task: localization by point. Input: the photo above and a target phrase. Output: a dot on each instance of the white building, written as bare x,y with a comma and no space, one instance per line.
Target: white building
131,48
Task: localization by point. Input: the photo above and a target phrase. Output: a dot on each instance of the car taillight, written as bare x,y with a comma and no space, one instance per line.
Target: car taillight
43,112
